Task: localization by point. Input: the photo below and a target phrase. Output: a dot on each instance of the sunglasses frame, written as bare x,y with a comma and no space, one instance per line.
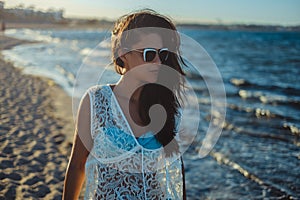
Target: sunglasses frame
157,52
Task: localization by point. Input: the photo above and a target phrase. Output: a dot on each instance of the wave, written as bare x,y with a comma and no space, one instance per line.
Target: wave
269,98
242,83
33,35
287,106
270,186
261,118
290,138
292,128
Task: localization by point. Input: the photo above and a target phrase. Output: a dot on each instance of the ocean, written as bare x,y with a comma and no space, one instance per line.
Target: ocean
258,153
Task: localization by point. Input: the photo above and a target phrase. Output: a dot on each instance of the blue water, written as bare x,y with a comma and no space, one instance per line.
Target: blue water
258,153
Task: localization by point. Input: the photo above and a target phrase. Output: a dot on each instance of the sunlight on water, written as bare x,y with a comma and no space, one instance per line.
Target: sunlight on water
257,155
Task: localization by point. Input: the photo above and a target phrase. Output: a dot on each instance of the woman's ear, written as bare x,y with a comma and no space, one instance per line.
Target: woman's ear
121,59
120,62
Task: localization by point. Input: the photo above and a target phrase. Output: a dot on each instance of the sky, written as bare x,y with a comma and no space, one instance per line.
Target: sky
267,12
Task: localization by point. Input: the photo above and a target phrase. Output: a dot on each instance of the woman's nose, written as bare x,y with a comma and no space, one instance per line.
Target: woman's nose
156,59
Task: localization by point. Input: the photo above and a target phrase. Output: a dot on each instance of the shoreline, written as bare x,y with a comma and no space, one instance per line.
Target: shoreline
68,26
62,97
36,131
108,25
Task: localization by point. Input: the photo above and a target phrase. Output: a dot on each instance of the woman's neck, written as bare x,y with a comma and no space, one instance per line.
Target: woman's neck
128,88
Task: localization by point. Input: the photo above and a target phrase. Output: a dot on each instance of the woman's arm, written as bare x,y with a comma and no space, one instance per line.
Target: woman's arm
81,146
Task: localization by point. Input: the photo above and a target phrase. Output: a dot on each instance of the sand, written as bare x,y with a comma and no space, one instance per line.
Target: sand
36,128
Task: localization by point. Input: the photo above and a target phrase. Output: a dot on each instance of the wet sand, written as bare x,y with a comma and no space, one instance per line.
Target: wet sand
36,130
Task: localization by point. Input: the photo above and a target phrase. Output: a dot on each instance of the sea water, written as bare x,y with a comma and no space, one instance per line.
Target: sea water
258,153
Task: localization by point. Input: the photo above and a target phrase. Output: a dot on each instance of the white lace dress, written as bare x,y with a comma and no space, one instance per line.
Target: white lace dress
118,166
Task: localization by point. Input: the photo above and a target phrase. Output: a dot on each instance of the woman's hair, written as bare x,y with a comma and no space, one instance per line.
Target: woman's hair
153,93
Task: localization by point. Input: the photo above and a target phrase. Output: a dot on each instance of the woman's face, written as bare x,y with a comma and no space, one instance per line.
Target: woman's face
144,71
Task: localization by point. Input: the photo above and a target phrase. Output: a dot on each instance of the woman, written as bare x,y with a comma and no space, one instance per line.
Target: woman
124,152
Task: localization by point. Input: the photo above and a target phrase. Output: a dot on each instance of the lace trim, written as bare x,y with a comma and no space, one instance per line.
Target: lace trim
114,169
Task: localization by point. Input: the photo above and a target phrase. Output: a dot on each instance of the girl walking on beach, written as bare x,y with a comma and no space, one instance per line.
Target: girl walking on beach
122,147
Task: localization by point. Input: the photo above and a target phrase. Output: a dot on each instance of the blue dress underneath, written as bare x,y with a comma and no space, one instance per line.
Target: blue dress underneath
147,140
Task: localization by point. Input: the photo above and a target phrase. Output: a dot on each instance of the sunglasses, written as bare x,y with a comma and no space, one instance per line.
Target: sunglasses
150,53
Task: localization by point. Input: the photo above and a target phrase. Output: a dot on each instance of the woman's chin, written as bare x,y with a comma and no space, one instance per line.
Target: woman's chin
152,79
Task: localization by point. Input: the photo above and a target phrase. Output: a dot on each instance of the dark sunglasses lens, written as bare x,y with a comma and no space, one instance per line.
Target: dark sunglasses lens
149,55
163,55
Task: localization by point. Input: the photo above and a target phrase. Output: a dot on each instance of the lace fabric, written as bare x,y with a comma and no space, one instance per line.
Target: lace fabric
118,166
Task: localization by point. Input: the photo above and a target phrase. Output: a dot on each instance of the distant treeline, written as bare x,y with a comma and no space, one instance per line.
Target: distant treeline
24,16
250,27
30,16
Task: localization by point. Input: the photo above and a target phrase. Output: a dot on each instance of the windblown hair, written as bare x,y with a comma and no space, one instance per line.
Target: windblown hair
153,93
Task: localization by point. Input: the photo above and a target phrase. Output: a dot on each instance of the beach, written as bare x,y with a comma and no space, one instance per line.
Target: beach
256,157
36,127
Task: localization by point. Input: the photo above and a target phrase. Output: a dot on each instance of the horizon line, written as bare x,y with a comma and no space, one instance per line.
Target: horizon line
191,22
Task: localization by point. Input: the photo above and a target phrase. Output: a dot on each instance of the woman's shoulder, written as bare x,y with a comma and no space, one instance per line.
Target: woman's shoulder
98,89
